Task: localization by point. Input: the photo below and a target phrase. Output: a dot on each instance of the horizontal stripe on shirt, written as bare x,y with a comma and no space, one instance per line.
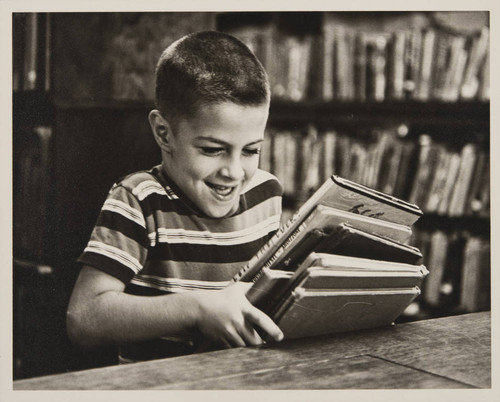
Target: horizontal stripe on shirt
148,234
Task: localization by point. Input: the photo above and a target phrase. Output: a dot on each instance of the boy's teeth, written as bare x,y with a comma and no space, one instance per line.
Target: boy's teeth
222,190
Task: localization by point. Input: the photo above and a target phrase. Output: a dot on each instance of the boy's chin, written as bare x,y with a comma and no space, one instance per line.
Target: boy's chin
221,212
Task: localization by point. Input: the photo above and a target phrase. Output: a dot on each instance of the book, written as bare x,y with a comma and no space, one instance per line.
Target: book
309,312
376,66
360,67
327,65
322,270
477,56
475,276
484,81
460,193
439,243
31,68
412,56
337,200
424,82
396,65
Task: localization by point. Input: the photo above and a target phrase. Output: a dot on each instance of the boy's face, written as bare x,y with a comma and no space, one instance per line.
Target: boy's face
214,154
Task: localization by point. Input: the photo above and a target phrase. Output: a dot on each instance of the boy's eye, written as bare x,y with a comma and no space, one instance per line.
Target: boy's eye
212,151
251,151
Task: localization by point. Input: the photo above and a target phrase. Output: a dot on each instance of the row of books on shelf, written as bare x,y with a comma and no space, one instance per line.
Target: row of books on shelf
348,64
441,180
31,51
459,270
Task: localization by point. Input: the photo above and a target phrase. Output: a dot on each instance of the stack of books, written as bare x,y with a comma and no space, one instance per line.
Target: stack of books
342,262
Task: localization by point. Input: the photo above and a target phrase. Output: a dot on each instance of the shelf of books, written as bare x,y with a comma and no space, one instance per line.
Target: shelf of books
402,110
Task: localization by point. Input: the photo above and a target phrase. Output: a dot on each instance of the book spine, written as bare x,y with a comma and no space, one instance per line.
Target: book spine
328,64
397,65
459,197
437,261
341,64
484,87
328,147
424,82
477,55
31,66
412,61
360,61
271,251
454,64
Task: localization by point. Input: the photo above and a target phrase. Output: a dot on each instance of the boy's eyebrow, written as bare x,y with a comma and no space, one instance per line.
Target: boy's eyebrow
221,142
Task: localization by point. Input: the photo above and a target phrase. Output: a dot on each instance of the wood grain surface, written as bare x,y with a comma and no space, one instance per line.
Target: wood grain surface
451,352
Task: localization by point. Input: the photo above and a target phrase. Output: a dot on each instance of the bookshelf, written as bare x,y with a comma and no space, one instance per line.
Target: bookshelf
93,98
399,102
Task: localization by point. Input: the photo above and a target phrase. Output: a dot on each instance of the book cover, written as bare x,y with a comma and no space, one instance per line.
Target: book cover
318,312
327,260
340,279
355,242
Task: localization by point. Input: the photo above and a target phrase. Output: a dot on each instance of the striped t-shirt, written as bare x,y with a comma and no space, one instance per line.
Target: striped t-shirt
152,238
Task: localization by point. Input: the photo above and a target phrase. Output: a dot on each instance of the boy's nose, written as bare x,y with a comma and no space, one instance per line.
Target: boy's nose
233,169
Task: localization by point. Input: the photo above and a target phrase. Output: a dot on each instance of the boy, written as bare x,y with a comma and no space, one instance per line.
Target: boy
168,241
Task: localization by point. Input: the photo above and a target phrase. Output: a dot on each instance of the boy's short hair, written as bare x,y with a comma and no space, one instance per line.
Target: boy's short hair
208,67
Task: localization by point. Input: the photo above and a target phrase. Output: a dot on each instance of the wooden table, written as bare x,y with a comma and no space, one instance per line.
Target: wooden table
451,352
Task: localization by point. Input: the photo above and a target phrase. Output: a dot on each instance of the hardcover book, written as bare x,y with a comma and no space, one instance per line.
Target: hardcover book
319,312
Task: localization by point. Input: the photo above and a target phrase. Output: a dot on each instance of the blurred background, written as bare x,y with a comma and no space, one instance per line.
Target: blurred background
398,101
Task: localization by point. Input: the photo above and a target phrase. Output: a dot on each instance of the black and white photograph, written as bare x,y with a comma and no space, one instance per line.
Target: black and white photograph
249,198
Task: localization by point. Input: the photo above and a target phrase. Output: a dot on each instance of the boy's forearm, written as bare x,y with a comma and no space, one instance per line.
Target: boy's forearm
115,318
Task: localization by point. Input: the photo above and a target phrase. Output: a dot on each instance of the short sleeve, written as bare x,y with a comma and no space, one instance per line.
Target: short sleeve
119,241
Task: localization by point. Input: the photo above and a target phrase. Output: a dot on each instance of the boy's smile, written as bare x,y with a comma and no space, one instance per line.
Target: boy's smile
213,154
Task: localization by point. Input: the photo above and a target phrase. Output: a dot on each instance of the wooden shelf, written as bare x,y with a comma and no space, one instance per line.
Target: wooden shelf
459,115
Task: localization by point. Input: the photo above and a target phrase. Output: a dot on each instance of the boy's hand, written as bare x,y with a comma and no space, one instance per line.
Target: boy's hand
228,318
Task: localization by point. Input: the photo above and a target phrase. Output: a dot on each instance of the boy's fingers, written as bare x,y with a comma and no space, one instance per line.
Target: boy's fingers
257,317
250,335
235,340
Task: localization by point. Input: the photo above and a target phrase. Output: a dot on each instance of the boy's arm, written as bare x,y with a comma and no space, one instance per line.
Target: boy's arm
100,312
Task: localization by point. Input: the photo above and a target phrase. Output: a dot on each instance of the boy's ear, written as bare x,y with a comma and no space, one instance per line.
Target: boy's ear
161,129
